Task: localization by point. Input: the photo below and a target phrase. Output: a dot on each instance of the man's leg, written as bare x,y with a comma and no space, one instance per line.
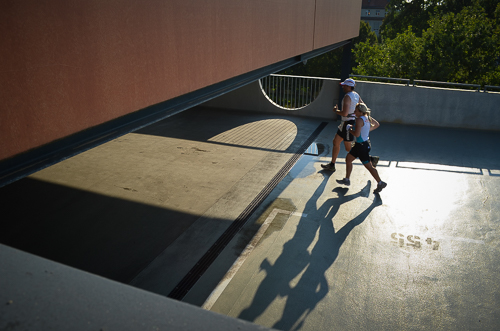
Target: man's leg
348,146
348,169
335,152
336,147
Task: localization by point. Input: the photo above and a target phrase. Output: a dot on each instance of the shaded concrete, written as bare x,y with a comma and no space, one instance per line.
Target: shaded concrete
113,209
38,294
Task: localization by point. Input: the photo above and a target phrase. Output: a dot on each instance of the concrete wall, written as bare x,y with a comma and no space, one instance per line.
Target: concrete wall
40,295
71,65
252,98
431,106
393,103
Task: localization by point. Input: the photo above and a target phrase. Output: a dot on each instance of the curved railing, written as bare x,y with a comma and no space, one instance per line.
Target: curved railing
291,92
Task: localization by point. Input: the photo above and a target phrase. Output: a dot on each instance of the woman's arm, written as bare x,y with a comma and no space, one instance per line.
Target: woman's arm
359,125
374,124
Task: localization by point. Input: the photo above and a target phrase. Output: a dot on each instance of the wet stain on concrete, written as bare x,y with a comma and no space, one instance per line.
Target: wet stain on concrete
277,223
280,219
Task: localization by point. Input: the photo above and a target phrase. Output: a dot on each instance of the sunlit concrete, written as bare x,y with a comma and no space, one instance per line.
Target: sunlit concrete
423,254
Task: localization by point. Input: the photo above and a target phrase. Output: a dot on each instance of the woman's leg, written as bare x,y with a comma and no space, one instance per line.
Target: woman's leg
373,171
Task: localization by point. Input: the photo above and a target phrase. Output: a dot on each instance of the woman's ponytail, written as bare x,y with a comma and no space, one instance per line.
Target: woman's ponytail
365,110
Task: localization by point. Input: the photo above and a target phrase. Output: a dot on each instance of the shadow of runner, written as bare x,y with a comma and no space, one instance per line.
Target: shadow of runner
312,286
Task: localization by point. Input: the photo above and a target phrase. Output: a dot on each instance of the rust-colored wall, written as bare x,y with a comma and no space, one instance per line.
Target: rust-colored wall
336,20
68,65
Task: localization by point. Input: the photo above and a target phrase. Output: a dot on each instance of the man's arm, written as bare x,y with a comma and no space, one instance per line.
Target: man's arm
346,103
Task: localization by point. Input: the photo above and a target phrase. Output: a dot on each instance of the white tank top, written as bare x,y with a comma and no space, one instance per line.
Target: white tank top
365,130
354,101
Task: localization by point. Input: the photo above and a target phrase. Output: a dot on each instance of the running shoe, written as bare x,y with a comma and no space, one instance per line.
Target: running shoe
344,181
380,187
330,166
374,160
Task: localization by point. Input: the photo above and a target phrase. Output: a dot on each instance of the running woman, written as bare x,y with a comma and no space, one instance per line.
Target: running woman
361,130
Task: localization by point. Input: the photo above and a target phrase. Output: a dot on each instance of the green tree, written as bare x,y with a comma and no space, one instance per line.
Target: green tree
397,58
456,6
457,47
462,47
366,34
400,14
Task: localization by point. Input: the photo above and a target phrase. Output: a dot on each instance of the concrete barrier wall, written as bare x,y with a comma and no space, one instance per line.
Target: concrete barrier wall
430,106
252,98
393,103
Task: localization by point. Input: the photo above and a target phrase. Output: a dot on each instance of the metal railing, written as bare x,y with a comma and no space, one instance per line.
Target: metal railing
431,83
404,80
291,92
491,88
296,92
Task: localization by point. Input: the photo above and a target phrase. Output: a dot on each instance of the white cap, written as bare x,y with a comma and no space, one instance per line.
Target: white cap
348,82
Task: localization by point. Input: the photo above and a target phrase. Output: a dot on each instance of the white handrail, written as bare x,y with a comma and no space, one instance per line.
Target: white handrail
291,92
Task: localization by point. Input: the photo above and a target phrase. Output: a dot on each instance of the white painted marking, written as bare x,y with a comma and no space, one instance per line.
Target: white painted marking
430,166
214,296
422,166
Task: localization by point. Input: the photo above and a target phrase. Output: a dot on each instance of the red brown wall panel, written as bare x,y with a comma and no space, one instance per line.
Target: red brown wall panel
336,21
68,65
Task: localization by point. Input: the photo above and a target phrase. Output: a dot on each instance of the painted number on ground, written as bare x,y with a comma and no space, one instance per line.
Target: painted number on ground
415,241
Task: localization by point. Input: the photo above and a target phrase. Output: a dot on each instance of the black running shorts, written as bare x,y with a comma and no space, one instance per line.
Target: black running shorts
343,133
362,150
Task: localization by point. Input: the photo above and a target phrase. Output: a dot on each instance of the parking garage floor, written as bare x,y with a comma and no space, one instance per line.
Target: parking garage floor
153,208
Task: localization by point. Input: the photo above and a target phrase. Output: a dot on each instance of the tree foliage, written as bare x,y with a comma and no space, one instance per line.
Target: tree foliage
395,58
458,43
400,14
461,47
441,40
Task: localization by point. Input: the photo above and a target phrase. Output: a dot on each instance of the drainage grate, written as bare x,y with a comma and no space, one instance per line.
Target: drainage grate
209,257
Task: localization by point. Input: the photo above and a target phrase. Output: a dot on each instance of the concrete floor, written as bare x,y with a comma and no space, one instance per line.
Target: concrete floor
144,208
424,254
